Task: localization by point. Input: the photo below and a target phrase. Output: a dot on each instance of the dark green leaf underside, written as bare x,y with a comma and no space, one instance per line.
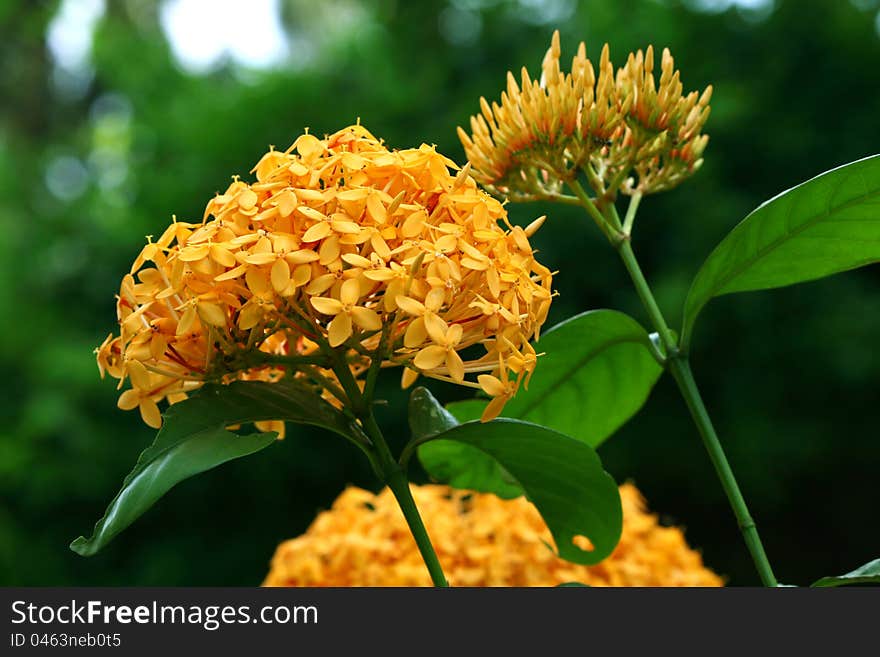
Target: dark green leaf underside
194,439
561,476
867,574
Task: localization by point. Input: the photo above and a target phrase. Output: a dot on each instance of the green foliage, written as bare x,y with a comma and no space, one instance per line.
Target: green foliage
561,476
826,225
595,373
194,439
867,574
150,145
458,464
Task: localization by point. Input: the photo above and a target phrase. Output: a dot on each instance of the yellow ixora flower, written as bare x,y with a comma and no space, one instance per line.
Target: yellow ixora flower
481,540
341,251
629,132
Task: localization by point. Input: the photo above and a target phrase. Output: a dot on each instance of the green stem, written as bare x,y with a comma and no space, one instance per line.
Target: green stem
634,201
389,470
399,485
681,371
593,211
679,366
647,298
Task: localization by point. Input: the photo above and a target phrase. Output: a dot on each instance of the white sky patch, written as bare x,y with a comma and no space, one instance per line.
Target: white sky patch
69,36
203,34
724,5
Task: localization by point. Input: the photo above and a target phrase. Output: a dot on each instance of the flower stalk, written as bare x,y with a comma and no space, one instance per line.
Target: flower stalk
678,365
634,132
384,464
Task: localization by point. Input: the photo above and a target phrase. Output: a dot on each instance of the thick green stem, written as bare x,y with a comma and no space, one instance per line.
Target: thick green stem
593,211
680,368
648,301
389,470
399,485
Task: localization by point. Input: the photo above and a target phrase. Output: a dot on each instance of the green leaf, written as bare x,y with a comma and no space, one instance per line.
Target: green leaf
572,584
561,476
597,371
463,466
826,225
867,574
194,439
458,464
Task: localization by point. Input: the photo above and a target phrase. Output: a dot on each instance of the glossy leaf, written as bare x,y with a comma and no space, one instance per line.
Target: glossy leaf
458,464
194,439
867,574
597,371
561,476
826,225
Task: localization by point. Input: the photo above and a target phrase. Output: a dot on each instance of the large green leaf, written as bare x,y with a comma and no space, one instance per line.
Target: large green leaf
458,464
867,574
193,439
561,476
596,373
826,225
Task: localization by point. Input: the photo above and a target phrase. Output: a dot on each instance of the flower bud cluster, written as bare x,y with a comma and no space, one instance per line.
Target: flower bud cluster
627,131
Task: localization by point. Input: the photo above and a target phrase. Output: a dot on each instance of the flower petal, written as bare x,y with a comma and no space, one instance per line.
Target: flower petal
327,306
317,232
280,275
250,316
320,284
408,377
302,256
350,292
260,258
356,260
436,328
150,413
138,374
455,365
493,409
416,334
410,305
435,298
339,329
491,385
301,275
211,314
235,272
430,357
367,319
129,400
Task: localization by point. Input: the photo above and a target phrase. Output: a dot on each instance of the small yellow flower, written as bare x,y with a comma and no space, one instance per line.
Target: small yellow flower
481,540
340,244
344,312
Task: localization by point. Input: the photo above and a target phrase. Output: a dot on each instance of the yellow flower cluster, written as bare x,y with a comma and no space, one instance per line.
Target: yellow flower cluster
481,540
628,132
342,251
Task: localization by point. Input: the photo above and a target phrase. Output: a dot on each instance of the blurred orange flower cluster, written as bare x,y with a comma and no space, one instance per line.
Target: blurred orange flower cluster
629,132
342,251
481,540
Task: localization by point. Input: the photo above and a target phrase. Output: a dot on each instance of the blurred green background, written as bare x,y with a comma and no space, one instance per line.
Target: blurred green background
115,115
